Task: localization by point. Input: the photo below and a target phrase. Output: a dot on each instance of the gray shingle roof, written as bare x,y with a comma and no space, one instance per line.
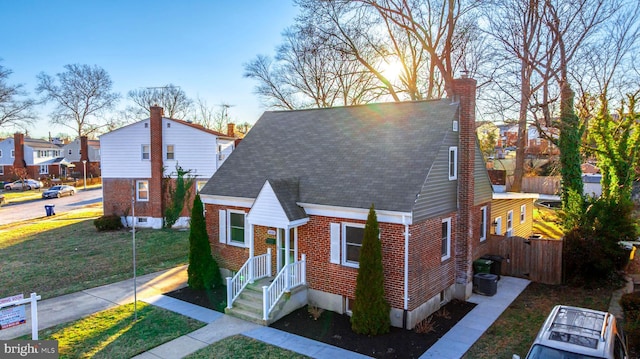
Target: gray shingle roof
287,192
344,156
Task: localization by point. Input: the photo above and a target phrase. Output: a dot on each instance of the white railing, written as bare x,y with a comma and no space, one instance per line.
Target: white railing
254,268
291,276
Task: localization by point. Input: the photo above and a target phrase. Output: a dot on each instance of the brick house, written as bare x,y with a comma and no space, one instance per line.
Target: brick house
294,197
136,159
39,158
83,149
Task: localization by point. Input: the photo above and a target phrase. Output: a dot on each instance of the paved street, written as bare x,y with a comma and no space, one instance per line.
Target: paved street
35,209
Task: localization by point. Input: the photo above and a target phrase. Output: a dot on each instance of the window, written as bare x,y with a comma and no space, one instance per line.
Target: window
523,212
352,234
146,152
483,224
170,152
236,228
1,170
498,223
445,251
0,153
44,169
13,153
142,191
453,163
348,305
510,223
70,151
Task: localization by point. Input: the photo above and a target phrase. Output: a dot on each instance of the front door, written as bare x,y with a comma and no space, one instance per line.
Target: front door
282,248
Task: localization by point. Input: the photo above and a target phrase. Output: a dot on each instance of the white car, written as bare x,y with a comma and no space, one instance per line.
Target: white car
26,184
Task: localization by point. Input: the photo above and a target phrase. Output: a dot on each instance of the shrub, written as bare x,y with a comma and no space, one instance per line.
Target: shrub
108,223
370,309
203,271
630,304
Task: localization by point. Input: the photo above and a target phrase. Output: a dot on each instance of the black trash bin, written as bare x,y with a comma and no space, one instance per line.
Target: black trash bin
496,265
49,209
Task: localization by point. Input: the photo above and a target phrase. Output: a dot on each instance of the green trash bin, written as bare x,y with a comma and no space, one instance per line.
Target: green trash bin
482,265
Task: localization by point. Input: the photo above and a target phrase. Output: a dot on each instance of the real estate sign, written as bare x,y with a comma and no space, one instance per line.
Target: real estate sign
12,316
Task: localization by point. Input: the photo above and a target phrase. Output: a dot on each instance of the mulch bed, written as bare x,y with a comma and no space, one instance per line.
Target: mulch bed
335,329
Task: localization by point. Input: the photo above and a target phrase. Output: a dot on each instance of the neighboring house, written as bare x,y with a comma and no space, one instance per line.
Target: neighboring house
300,186
136,158
512,214
592,184
82,149
538,145
41,159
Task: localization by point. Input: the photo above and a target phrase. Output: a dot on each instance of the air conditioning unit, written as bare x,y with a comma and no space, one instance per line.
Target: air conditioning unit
485,284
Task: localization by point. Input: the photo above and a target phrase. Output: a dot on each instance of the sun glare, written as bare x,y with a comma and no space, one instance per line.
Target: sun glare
392,70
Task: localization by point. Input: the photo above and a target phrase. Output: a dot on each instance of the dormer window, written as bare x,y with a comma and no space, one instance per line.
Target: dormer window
453,163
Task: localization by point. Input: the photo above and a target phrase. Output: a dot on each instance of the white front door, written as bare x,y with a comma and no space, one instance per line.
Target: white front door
283,248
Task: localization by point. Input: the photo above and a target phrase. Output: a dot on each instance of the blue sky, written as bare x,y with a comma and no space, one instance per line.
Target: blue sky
200,45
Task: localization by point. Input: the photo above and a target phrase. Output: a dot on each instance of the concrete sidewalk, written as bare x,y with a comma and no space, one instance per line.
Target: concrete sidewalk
74,306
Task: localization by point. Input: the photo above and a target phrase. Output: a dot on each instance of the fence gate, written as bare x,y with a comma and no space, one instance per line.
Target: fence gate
539,260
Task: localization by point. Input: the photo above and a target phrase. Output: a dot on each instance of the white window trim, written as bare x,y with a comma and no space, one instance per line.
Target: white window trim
343,244
0,153
448,254
510,223
138,191
523,213
142,152
13,153
229,241
1,170
483,223
44,169
454,175
166,154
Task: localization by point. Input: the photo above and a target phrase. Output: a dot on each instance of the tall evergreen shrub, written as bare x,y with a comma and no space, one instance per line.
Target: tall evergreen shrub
203,270
370,310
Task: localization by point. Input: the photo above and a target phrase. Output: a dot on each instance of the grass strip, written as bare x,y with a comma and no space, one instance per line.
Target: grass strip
239,346
114,333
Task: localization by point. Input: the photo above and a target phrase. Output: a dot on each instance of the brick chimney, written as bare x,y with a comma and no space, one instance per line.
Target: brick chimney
155,182
231,129
464,90
18,143
84,149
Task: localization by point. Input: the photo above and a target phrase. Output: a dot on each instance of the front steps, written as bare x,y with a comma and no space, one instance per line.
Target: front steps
248,306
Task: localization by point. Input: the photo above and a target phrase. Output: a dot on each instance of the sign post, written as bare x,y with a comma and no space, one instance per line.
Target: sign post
14,314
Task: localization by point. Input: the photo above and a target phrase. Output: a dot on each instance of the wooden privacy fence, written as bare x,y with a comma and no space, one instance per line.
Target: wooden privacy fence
539,260
538,184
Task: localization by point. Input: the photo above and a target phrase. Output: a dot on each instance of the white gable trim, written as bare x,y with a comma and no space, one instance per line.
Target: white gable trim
356,213
267,210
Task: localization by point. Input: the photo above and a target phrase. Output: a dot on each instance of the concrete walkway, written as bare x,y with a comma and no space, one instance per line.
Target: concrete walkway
150,288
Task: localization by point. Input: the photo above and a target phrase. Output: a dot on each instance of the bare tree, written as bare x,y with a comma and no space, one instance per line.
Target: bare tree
171,98
82,94
208,117
15,110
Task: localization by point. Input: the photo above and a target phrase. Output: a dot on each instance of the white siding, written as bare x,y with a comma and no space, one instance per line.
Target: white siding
194,150
6,147
121,152
266,210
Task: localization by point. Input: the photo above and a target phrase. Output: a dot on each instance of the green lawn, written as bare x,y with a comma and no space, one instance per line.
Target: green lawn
114,333
517,327
239,346
65,254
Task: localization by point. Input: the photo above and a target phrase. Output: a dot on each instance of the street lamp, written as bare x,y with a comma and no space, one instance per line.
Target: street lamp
84,172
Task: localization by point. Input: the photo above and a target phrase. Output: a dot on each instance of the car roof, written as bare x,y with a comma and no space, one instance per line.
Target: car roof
578,330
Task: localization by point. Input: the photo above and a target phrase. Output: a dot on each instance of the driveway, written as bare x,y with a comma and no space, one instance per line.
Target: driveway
35,209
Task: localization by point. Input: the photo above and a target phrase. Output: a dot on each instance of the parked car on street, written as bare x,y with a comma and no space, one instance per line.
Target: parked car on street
59,191
571,332
23,185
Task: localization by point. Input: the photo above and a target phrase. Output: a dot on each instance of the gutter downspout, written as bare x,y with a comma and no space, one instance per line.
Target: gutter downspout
406,272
